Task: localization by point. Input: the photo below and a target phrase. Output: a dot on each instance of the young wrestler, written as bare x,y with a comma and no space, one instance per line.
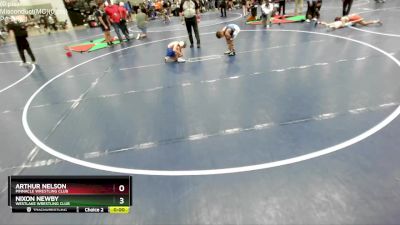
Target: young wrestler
230,32
174,52
357,19
349,20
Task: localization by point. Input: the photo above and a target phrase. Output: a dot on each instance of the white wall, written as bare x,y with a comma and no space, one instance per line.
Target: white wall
56,4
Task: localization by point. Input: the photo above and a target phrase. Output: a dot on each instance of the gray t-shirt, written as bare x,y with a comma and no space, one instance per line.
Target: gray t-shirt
141,20
189,7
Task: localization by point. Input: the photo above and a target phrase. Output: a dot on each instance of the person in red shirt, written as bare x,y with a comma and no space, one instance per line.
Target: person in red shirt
112,10
124,17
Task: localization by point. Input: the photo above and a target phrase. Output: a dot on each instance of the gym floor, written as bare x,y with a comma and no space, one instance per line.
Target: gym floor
299,127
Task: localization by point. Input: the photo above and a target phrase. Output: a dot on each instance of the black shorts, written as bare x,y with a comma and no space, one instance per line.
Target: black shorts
104,29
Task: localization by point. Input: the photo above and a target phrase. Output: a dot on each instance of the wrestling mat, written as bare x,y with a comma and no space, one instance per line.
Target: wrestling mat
91,45
278,19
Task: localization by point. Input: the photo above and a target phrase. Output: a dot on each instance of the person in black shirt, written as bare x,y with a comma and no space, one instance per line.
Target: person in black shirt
190,11
20,34
104,23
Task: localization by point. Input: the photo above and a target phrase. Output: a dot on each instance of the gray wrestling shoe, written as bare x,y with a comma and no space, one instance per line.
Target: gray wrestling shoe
168,59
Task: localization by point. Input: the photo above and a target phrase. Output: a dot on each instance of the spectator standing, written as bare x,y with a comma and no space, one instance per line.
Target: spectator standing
298,8
175,8
124,18
244,7
347,6
313,10
141,21
223,6
43,22
52,23
230,5
311,4
190,11
104,23
128,7
166,11
115,18
21,34
135,7
211,5
282,7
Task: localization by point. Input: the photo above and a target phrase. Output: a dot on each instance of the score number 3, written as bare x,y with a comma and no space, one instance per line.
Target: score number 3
121,188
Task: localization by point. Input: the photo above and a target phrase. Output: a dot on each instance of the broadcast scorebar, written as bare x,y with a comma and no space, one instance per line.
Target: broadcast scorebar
70,194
